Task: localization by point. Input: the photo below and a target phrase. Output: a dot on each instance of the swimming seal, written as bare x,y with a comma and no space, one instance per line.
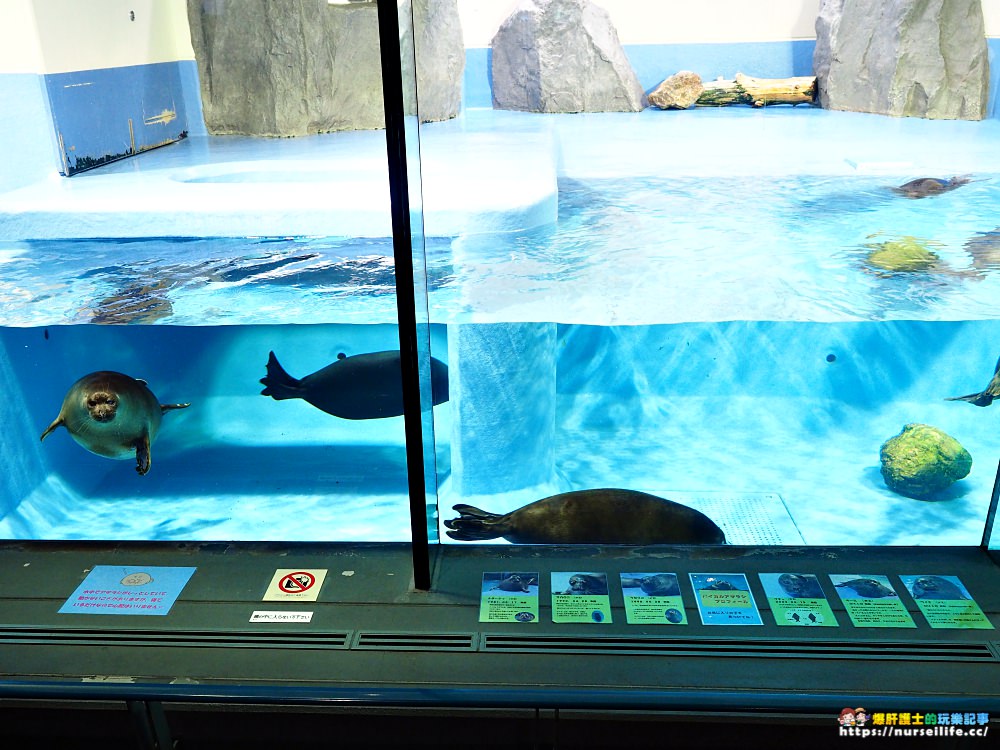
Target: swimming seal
985,397
112,415
925,186
602,516
869,588
364,386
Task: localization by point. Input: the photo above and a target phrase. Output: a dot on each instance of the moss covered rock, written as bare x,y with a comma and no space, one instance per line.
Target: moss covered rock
921,461
903,254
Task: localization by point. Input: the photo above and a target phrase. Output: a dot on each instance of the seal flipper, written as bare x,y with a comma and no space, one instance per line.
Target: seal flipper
983,398
164,408
143,459
279,385
473,525
56,423
979,399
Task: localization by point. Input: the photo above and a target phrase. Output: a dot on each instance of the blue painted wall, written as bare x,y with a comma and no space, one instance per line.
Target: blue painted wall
105,115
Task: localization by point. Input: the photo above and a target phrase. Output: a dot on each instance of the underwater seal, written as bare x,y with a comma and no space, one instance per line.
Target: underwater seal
112,415
869,588
925,186
984,397
602,516
363,386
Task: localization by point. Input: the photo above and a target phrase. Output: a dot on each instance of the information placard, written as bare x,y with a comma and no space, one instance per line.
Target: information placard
128,590
725,599
797,599
871,601
945,602
653,599
580,597
509,597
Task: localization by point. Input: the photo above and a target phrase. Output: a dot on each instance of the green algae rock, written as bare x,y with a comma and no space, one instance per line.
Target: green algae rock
921,461
904,254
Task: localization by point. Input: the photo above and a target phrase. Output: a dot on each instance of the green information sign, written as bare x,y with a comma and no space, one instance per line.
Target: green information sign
797,599
945,602
653,599
580,597
509,597
871,601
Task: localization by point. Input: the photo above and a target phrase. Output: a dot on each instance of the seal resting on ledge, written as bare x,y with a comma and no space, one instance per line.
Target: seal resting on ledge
602,516
112,415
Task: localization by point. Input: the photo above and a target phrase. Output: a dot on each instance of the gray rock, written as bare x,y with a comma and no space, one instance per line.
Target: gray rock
914,58
562,56
295,67
922,460
679,91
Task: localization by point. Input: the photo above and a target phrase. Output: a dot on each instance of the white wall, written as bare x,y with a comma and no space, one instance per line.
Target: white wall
20,51
59,36
686,21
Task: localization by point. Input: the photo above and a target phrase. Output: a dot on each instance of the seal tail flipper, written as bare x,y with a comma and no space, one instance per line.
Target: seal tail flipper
278,384
58,421
979,399
473,524
164,408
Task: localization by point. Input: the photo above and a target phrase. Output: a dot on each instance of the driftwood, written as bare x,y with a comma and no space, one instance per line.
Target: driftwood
758,92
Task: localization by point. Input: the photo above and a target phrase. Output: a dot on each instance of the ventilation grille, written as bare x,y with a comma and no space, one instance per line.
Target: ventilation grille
508,643
184,638
740,647
416,641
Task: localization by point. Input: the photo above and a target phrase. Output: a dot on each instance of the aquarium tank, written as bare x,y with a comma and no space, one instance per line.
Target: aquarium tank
628,284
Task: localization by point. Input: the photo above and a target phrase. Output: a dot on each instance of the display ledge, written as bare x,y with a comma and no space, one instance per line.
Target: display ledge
369,639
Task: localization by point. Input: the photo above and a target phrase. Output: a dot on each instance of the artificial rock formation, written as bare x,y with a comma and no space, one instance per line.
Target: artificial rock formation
679,91
294,67
914,58
562,56
921,461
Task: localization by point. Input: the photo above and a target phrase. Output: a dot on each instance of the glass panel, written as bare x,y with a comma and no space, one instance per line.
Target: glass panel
735,309
244,273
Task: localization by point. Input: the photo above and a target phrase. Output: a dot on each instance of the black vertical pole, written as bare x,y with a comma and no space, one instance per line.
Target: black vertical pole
395,139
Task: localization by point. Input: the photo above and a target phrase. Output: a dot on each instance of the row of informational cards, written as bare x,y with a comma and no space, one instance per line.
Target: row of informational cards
795,599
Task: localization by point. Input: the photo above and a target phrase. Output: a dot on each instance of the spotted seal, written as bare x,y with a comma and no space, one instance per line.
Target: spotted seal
112,415
925,186
363,386
984,397
601,516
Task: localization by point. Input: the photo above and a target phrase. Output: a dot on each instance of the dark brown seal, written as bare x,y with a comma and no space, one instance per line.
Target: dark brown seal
925,186
112,415
985,397
604,516
365,386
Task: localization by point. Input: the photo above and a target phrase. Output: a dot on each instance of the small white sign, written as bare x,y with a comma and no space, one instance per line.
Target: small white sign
302,584
272,616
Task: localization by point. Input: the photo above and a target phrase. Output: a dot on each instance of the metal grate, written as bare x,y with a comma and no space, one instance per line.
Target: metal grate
380,641
740,647
182,638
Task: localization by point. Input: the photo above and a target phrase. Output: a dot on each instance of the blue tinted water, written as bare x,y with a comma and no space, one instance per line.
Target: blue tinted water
717,334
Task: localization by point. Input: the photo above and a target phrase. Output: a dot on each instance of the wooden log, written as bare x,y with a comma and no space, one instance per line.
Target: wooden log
758,92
